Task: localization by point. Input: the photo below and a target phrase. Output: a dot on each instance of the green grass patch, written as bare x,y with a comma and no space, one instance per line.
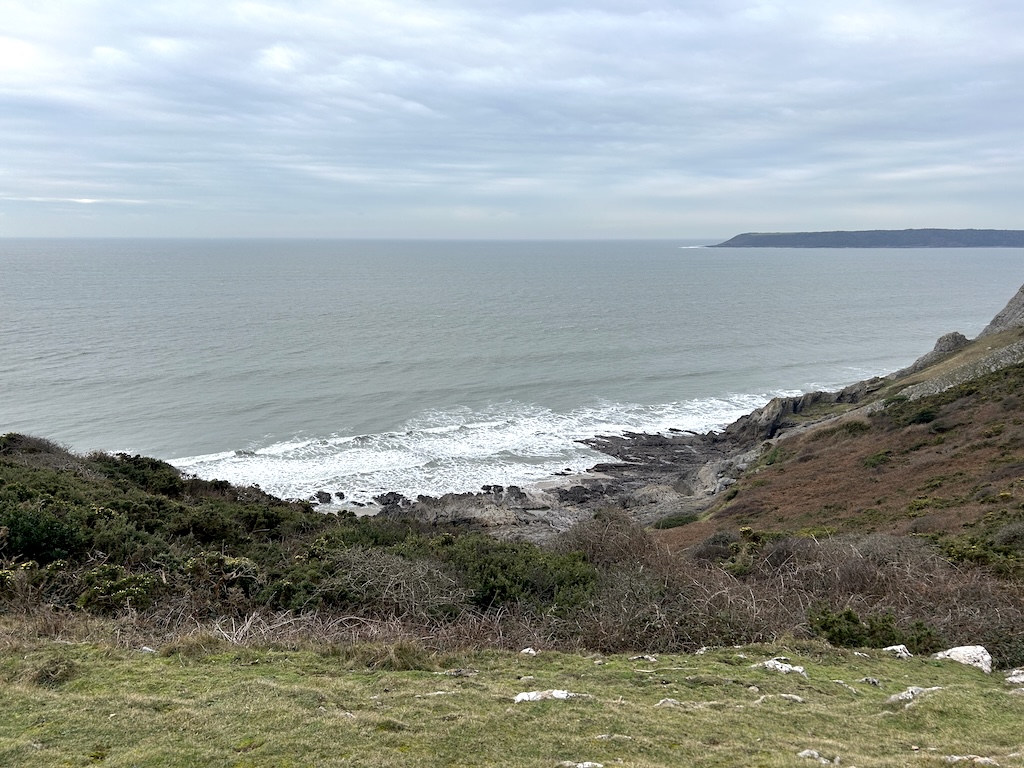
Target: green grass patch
675,521
302,709
878,459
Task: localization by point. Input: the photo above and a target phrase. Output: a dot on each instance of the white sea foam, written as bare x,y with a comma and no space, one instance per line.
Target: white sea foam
458,450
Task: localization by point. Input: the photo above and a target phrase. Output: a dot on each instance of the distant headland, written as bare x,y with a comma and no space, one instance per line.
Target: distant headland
881,238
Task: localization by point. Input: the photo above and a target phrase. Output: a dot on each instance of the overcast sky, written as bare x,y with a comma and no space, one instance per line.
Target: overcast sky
508,118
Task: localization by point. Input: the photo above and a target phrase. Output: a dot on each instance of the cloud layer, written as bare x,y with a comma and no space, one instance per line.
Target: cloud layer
508,118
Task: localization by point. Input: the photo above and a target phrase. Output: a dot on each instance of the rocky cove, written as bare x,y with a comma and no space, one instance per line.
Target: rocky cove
683,475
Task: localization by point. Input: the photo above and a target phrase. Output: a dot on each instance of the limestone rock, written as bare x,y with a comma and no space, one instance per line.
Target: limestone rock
1011,316
1015,676
972,655
558,694
899,651
976,759
813,754
780,665
908,696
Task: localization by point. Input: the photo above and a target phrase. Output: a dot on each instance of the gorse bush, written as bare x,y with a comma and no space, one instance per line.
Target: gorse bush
846,629
130,537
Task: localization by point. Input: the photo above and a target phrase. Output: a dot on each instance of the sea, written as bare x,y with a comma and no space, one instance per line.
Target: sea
365,366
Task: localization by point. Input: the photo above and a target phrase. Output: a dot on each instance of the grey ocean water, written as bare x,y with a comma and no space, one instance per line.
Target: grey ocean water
365,366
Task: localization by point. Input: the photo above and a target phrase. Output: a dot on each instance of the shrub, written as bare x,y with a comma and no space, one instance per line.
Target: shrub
37,533
610,537
715,548
846,629
503,573
878,459
150,475
109,588
675,521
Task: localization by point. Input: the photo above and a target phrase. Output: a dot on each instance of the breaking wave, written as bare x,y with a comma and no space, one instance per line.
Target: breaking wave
457,450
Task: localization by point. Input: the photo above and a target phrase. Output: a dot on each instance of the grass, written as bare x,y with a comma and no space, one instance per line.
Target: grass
86,704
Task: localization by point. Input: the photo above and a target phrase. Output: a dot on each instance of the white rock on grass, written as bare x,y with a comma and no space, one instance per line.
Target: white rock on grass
780,665
908,696
1015,677
899,651
971,655
528,652
546,695
813,754
976,759
584,764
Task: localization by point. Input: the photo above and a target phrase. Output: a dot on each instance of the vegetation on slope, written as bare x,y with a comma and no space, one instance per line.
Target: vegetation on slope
947,468
129,538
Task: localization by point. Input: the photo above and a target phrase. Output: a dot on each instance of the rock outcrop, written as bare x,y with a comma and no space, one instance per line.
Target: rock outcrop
944,347
1011,316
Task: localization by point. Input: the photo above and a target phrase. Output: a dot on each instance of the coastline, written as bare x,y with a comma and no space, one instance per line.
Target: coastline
685,474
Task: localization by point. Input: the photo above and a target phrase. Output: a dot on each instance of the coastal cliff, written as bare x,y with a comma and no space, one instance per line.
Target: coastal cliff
881,238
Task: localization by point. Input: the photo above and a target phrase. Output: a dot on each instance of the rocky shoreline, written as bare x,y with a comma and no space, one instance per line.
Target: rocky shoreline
653,476
685,473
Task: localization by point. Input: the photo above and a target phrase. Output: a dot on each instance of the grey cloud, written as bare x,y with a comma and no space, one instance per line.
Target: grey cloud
506,118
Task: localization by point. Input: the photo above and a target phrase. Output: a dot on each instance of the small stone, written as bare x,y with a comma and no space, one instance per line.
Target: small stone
557,694
667,703
813,754
899,651
1015,676
644,657
908,696
779,664
528,652
460,672
791,697
146,649
976,759
871,681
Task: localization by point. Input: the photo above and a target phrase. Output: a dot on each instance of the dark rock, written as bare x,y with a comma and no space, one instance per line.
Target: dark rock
322,497
392,501
340,495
